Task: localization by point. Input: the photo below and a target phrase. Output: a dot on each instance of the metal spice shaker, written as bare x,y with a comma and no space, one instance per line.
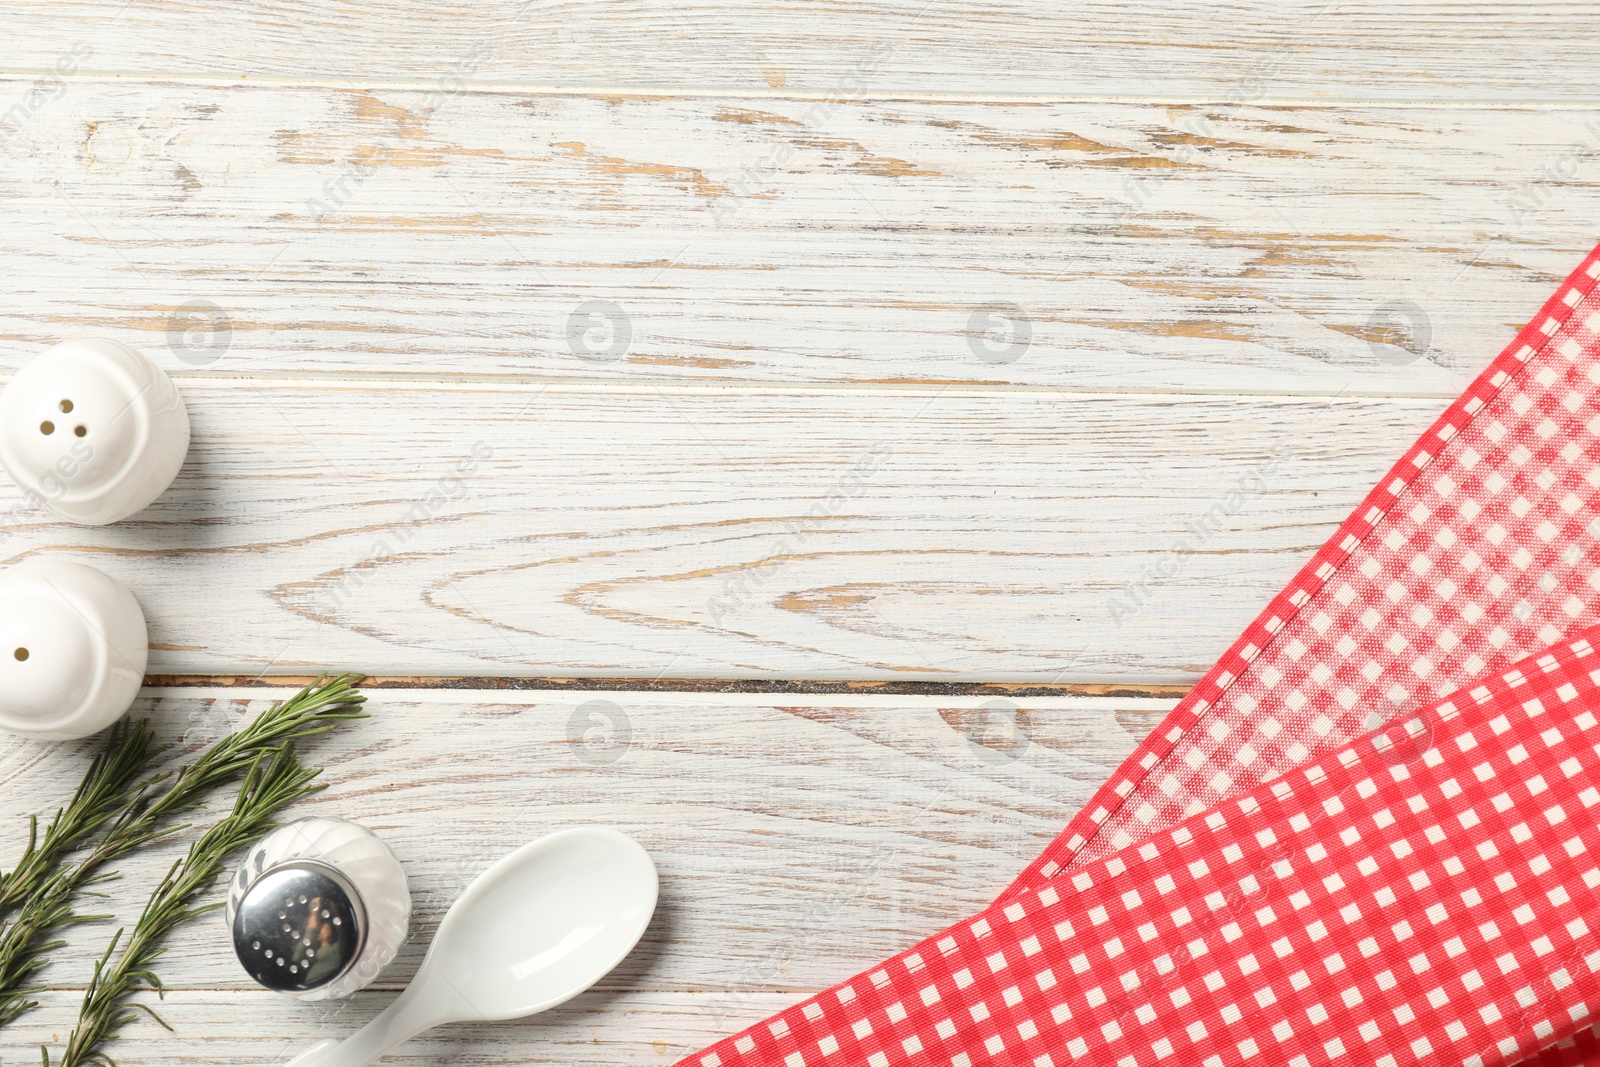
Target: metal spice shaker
318,908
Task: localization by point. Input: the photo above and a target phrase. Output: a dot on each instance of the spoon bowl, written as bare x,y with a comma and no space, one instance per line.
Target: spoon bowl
533,931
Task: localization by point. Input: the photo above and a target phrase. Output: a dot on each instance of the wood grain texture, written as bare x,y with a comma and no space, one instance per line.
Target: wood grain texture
601,1028
796,844
952,536
902,342
1304,49
1120,247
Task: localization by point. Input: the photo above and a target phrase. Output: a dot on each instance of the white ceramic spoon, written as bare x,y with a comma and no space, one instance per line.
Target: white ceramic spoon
535,930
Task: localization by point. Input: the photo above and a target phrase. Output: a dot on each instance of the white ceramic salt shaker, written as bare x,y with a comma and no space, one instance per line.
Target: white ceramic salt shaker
318,908
73,647
93,430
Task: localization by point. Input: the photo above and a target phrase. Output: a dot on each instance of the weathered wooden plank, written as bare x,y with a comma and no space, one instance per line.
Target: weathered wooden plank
1216,51
1372,250
642,532
796,844
255,1028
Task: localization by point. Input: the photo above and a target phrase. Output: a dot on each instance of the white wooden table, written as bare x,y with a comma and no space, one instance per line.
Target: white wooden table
819,441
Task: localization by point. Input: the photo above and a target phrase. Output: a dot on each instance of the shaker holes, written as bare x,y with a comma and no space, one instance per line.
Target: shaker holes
21,653
47,427
65,405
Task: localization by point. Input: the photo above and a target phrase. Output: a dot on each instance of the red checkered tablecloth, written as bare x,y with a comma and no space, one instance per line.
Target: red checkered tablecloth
1426,895
1479,548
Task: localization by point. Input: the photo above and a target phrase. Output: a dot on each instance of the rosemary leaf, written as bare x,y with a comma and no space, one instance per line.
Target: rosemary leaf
106,791
276,780
24,944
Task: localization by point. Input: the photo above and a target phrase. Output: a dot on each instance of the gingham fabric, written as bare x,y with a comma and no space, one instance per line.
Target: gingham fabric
1430,894
1479,547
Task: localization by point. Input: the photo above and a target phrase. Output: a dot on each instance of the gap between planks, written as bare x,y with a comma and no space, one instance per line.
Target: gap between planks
667,92
955,389
852,690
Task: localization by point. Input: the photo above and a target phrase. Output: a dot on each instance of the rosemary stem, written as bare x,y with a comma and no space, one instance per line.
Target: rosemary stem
105,792
276,780
49,902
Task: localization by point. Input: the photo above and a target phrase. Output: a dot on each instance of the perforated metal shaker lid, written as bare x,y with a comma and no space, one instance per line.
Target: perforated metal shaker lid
299,926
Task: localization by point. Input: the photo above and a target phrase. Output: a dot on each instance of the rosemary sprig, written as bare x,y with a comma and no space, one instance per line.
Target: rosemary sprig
106,791
23,946
275,781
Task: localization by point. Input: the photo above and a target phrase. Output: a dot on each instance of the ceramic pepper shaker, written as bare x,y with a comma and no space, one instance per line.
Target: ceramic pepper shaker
93,430
318,908
73,647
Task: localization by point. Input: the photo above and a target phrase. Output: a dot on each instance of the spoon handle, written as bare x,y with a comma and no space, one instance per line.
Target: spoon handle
400,1021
